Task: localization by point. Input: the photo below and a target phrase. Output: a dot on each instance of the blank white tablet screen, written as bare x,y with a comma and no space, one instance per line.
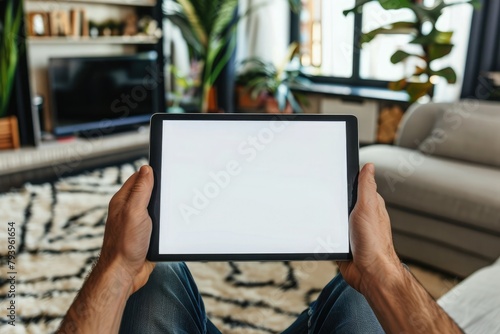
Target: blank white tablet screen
250,187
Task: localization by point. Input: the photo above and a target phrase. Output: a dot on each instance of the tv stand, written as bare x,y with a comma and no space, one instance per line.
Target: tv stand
51,160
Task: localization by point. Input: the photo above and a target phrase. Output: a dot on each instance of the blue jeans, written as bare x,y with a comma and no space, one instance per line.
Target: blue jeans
171,303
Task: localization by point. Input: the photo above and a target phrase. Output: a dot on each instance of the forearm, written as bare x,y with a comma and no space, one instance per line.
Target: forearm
99,306
403,306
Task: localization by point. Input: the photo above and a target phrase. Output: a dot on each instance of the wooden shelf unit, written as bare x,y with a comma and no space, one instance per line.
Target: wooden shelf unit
132,40
134,3
42,48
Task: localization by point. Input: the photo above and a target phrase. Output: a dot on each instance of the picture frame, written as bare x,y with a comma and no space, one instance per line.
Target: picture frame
38,24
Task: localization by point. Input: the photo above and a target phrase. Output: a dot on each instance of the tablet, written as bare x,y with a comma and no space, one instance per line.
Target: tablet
232,187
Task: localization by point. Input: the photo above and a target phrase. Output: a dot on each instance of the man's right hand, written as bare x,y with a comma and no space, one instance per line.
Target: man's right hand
373,252
400,303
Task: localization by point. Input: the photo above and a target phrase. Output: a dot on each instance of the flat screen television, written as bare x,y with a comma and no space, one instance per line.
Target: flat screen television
104,94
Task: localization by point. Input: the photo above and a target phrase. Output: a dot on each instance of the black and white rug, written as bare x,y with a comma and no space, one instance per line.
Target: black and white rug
59,228
58,233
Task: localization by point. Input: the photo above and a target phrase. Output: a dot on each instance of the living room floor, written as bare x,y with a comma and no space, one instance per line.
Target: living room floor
61,226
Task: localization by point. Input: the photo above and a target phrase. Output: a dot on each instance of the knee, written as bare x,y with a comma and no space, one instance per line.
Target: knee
338,292
169,268
173,273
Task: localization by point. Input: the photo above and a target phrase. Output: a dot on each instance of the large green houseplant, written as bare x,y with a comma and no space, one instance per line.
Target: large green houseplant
435,44
9,52
209,28
10,25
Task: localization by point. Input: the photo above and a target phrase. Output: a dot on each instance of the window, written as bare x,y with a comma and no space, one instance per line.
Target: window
330,44
327,38
375,56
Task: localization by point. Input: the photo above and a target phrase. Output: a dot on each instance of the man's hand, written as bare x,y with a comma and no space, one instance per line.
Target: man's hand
128,229
374,256
400,303
122,267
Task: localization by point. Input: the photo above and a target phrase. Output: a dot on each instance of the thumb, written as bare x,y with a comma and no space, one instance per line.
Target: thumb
140,193
367,187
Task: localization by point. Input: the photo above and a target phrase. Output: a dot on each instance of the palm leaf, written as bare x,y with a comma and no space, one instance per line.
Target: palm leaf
220,63
187,32
293,102
207,12
224,18
293,49
9,53
194,20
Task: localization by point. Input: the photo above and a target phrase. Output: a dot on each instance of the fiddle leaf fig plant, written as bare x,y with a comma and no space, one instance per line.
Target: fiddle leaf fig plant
9,52
435,44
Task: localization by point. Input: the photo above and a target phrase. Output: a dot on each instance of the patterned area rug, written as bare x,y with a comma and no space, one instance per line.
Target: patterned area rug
59,228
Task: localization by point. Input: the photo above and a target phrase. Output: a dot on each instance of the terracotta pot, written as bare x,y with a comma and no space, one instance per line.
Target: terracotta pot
245,100
9,133
272,107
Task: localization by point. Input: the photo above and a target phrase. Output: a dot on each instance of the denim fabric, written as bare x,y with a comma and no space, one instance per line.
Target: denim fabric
171,303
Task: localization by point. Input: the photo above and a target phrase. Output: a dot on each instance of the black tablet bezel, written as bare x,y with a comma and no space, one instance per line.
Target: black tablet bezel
352,150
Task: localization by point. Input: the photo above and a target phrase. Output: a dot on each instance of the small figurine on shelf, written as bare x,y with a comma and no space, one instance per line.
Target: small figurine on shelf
111,28
93,29
130,26
149,27
106,28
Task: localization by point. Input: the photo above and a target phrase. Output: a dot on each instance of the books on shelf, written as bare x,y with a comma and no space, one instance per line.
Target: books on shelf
76,23
85,23
58,23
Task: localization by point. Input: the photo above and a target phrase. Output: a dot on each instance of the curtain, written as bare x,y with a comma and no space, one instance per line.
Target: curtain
484,50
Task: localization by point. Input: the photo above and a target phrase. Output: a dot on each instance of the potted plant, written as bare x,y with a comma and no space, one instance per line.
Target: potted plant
209,29
272,84
434,43
9,34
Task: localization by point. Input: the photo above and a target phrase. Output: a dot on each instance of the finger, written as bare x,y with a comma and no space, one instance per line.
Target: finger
140,192
367,187
124,191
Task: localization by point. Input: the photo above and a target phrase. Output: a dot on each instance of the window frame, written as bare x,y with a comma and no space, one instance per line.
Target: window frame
355,79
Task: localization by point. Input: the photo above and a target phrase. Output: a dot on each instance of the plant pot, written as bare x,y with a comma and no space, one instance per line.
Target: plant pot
9,133
272,107
245,100
209,101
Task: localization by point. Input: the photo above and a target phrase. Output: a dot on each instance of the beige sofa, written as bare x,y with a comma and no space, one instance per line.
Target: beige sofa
441,184
474,304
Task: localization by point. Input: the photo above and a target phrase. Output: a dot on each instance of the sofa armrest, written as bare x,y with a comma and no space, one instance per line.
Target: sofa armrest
474,304
417,123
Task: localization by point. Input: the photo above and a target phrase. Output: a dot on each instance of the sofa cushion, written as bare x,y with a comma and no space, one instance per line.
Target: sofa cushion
471,137
466,193
474,304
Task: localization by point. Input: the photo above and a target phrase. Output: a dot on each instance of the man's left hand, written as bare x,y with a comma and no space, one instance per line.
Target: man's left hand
128,229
